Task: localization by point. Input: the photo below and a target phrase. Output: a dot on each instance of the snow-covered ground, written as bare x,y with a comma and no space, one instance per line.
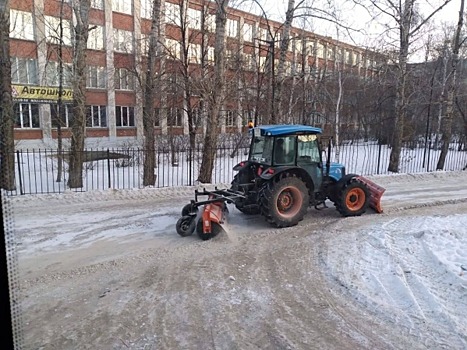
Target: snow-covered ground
397,280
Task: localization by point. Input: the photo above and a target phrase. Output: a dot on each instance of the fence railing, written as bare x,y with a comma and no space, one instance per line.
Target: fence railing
36,170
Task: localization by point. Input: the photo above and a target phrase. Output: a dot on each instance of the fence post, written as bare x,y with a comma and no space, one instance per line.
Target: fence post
108,167
379,157
19,174
190,165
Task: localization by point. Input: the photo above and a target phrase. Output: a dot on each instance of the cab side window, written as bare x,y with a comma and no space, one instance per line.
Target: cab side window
284,150
308,151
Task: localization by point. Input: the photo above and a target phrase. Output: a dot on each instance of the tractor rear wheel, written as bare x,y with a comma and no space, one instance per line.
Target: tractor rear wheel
243,205
353,199
185,226
284,201
215,230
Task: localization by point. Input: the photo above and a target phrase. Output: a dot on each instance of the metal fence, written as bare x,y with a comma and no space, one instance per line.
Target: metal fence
36,170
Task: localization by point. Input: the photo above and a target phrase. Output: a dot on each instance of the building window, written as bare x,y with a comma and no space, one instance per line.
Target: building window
96,116
123,6
196,115
52,30
319,50
144,44
210,54
194,53
96,38
96,77
146,8
174,116
247,31
173,48
229,118
248,62
247,115
262,63
357,59
65,119
210,22
125,116
124,79
299,45
263,33
97,4
232,28
26,115
21,25
277,38
172,14
24,71
348,57
52,74
123,40
194,18
157,117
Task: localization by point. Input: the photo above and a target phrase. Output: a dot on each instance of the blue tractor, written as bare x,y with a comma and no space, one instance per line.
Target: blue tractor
284,175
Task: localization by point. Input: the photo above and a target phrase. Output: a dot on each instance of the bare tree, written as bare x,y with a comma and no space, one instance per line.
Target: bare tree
7,144
447,125
408,23
217,96
60,105
78,129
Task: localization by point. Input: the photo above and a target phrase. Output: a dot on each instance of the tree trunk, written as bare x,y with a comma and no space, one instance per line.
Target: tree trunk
284,44
338,107
447,125
60,99
217,97
150,88
7,143
401,99
78,129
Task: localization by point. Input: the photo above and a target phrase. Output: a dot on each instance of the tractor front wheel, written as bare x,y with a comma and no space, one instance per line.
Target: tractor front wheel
284,201
353,199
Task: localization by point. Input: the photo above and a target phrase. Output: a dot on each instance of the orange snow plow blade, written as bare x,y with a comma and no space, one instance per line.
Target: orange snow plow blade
213,212
376,192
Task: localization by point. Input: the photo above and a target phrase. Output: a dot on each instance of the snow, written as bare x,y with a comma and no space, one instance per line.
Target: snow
408,267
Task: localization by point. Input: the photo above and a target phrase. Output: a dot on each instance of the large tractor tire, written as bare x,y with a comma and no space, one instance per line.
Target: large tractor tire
353,198
284,201
241,204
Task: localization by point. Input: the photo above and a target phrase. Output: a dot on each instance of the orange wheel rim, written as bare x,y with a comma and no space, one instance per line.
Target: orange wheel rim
355,199
289,202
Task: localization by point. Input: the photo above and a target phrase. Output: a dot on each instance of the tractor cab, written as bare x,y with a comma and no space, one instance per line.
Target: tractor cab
292,146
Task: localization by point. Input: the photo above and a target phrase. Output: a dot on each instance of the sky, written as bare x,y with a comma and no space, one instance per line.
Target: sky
368,31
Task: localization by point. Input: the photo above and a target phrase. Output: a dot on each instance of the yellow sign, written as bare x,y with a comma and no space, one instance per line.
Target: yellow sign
44,94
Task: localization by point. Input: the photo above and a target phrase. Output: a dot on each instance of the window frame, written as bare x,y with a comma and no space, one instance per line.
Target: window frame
23,29
101,116
122,113
32,107
66,115
17,72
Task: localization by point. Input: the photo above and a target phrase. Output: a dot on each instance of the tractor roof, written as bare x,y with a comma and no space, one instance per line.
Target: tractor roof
282,130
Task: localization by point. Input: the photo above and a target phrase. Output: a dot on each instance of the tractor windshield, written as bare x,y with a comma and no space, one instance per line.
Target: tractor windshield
261,150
